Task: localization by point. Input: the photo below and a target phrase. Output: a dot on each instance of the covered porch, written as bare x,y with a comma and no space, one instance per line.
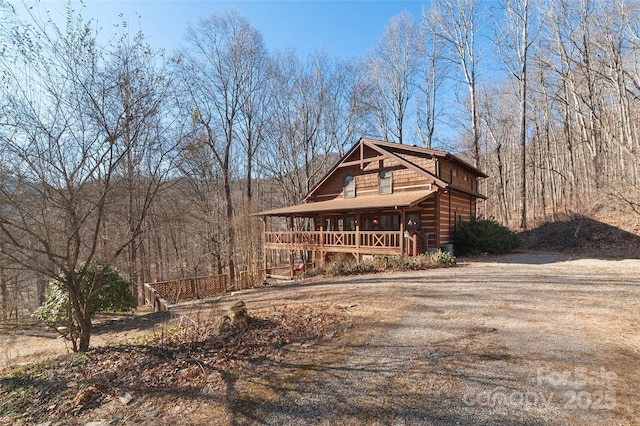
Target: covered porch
358,227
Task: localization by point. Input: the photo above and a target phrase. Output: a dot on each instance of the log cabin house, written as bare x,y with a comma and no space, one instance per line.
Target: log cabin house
380,198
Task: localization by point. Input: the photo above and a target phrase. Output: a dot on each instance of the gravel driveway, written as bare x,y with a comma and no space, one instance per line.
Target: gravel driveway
525,339
519,339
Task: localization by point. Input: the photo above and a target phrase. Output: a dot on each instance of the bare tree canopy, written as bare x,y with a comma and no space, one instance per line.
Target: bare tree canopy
456,23
81,119
220,75
392,70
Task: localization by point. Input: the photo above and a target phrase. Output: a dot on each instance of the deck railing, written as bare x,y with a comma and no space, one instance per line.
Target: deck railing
154,299
310,240
160,294
186,289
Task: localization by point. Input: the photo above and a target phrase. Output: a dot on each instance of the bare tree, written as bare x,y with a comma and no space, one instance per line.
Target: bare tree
617,43
314,114
394,65
253,113
65,152
138,99
497,118
432,76
221,70
345,118
456,24
515,39
204,216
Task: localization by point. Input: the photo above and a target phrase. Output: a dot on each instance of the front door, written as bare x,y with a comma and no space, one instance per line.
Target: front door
415,239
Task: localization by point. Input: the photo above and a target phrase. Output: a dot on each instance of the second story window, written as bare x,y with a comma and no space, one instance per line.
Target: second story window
385,182
349,187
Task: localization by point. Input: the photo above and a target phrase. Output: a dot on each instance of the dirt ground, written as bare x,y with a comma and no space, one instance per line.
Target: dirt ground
527,338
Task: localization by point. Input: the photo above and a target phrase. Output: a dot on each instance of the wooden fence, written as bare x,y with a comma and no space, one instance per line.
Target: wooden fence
161,294
191,288
153,299
250,279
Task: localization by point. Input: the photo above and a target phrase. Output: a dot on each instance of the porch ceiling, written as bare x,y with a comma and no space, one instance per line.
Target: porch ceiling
395,200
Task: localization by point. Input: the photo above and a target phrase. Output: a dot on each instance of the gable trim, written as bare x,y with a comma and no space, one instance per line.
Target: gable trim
408,164
384,149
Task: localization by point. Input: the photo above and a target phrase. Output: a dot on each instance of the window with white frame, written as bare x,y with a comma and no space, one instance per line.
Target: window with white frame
349,187
385,182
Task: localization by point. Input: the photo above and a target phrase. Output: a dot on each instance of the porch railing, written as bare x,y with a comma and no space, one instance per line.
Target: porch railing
310,240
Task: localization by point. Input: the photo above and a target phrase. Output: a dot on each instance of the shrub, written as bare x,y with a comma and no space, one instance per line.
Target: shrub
484,236
112,293
382,263
389,262
443,259
351,268
313,272
430,260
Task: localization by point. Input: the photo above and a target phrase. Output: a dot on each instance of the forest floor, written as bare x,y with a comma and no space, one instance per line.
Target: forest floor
534,337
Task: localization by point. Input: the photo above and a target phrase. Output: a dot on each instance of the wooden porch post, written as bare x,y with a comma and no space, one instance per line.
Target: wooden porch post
358,219
321,242
437,235
450,227
292,251
321,231
402,220
264,242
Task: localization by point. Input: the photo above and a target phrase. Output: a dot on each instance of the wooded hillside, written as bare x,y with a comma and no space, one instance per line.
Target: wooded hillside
154,162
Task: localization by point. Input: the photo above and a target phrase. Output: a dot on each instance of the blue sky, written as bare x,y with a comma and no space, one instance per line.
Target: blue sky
343,28
347,29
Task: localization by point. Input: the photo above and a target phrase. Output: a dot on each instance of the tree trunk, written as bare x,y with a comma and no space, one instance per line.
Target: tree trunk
3,294
230,232
523,117
502,193
474,124
78,309
84,322
249,176
523,187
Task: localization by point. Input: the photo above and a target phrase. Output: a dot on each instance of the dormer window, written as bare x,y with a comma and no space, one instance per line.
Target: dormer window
349,187
385,182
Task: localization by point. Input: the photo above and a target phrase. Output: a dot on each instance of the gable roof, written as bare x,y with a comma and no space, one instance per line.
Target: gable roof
429,152
390,150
